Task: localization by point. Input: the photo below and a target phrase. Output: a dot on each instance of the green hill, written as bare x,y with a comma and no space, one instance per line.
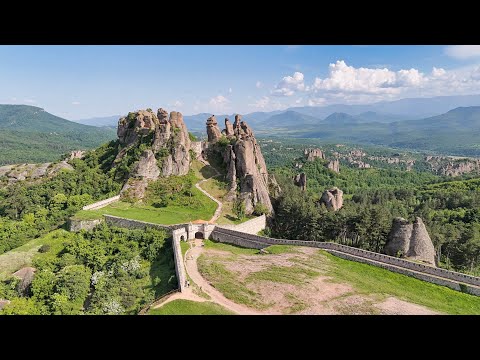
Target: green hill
30,134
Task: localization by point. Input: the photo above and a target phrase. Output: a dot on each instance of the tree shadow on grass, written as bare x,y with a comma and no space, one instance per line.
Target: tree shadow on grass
162,271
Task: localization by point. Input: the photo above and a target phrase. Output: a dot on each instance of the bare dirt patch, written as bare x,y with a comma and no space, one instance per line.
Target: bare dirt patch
394,306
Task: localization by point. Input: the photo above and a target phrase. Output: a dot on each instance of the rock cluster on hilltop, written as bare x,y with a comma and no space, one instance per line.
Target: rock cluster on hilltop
332,198
312,154
168,147
452,166
213,131
20,172
334,165
410,241
26,276
246,168
300,180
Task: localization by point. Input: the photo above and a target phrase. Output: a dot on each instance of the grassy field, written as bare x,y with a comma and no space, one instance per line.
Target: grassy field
366,280
187,307
22,256
369,279
167,215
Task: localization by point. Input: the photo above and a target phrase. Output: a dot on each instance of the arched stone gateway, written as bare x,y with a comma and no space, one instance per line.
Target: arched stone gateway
199,235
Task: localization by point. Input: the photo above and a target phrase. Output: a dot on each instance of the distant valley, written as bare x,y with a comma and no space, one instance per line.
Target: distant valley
442,125
30,134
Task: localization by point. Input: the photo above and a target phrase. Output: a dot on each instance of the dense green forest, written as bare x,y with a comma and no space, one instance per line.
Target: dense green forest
30,209
31,135
372,198
103,271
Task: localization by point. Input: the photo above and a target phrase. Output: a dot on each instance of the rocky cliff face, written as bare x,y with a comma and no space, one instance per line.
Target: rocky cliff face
334,165
20,172
246,168
410,241
451,166
300,180
213,131
312,154
332,198
168,145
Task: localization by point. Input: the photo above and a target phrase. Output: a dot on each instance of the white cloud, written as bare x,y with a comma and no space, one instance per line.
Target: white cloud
259,84
366,80
463,52
298,101
75,103
438,72
316,101
30,101
13,99
177,103
218,103
230,90
266,103
290,84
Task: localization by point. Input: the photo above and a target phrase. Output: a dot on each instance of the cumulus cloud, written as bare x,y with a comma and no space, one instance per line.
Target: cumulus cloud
345,78
259,85
290,85
218,103
75,103
267,103
230,90
438,72
30,101
463,52
177,103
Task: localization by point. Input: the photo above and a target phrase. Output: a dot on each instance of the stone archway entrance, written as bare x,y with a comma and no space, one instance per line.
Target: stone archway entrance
199,235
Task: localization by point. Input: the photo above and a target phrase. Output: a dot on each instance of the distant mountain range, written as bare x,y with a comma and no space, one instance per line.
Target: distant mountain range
30,134
382,112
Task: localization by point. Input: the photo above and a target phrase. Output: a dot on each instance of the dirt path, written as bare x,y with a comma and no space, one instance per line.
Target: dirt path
216,296
218,212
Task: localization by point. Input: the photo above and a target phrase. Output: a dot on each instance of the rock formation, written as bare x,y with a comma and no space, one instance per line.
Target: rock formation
300,180
20,172
246,168
453,166
76,154
168,142
334,165
26,276
410,241
332,198
228,128
213,131
312,154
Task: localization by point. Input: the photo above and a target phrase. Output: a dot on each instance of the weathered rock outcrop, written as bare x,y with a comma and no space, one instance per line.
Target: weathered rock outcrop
453,166
213,131
20,172
312,154
334,165
332,198
300,180
76,154
168,153
26,276
246,168
228,128
410,241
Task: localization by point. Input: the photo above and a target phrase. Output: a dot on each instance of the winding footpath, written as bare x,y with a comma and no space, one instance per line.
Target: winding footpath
191,267
218,212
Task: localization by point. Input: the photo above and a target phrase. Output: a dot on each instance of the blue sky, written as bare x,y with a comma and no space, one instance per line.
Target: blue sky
77,82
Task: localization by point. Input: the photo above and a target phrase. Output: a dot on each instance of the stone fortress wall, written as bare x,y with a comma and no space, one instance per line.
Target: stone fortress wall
102,203
252,226
451,279
244,235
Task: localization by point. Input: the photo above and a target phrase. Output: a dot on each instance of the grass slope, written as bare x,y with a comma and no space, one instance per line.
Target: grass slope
30,134
187,307
369,279
365,279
